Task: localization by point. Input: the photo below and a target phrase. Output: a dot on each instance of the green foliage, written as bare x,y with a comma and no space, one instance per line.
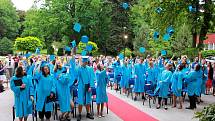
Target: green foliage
6,46
60,52
28,44
8,20
207,114
50,50
128,52
207,53
82,46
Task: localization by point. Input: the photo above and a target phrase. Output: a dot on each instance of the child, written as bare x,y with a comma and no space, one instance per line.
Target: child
101,94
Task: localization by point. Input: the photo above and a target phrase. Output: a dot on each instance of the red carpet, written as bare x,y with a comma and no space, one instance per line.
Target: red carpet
126,111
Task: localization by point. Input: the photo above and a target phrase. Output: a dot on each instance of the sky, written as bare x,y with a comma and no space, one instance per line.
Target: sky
23,4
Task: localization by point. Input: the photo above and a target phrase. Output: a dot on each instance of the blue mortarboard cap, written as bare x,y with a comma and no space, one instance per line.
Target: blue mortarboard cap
121,56
166,37
125,5
158,10
44,63
85,59
191,8
156,35
77,27
28,55
142,49
37,51
163,52
84,53
73,44
64,69
170,30
52,57
89,47
67,48
84,39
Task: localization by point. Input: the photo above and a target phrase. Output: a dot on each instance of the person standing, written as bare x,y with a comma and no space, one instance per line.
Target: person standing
85,83
163,85
101,94
23,91
10,65
210,78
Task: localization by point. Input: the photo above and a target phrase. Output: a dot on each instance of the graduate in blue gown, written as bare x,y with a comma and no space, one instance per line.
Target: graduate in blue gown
151,74
46,91
63,93
126,75
140,71
22,93
117,73
163,85
192,86
177,82
101,94
85,83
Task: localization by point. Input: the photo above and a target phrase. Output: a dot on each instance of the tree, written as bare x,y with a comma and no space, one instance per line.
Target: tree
28,43
82,46
6,46
8,20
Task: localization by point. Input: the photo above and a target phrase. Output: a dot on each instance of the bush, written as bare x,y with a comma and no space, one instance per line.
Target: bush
128,52
82,46
28,43
207,53
6,46
207,114
50,50
60,52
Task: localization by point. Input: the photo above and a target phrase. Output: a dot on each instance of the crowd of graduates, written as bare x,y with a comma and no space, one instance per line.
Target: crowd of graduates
41,80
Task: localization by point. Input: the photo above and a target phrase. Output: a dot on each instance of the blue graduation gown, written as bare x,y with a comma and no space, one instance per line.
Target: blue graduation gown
101,94
85,76
117,72
73,71
22,97
192,80
126,75
63,92
45,86
139,83
163,85
151,77
177,81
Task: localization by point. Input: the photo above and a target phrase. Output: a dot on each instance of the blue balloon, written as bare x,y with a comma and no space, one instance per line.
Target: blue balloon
125,5
163,52
84,39
89,47
156,35
77,27
142,49
166,37
84,53
121,56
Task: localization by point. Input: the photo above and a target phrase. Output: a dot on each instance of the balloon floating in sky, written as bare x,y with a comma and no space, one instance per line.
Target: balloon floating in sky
159,10
163,52
77,27
156,35
142,49
84,53
73,44
89,47
121,56
125,5
166,37
84,39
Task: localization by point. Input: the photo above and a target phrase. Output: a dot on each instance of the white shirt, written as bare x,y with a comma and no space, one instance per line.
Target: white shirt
9,63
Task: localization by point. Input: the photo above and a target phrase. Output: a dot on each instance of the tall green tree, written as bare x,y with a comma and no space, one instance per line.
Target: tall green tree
8,20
